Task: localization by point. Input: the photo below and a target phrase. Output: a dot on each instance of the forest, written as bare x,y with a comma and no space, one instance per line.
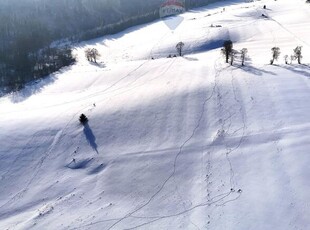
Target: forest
29,29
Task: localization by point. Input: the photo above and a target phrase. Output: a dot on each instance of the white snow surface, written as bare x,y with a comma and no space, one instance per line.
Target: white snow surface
180,143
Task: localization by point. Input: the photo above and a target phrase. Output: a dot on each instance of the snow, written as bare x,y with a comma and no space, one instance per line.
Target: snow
178,143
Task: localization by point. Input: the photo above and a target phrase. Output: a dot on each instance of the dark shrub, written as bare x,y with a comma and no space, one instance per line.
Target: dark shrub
83,119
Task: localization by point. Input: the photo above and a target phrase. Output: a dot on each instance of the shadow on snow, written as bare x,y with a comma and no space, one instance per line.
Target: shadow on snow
90,137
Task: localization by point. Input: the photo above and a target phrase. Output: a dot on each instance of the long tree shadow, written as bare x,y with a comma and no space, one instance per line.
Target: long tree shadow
300,69
256,71
90,137
36,86
32,88
191,58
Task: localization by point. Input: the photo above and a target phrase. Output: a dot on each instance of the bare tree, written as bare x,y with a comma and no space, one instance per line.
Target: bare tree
232,55
88,54
297,54
95,54
92,54
292,58
275,54
227,49
244,55
179,48
286,59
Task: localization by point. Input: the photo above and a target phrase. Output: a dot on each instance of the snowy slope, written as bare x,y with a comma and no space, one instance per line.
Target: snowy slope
180,143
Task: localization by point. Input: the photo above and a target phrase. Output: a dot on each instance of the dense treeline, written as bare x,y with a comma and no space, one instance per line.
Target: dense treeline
28,28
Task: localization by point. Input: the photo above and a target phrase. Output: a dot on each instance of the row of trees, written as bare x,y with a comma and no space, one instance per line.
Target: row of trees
297,55
230,54
92,54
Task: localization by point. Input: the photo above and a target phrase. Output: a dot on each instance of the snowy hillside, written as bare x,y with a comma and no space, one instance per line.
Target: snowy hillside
171,143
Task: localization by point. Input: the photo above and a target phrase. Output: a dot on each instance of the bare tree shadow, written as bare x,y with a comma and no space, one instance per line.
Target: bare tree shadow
191,59
302,69
256,71
90,137
98,64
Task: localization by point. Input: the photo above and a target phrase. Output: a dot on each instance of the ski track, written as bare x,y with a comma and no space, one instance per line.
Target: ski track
186,211
37,169
169,177
174,164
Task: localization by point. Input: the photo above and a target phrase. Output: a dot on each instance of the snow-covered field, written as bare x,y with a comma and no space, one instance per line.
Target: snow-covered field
179,143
